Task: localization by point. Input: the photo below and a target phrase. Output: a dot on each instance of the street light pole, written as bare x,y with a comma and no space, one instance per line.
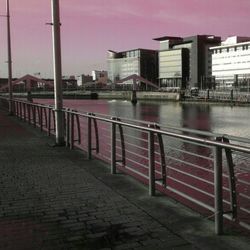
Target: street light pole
57,72
9,59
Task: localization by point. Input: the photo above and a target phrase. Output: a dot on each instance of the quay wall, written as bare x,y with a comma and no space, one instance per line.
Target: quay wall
124,95
141,95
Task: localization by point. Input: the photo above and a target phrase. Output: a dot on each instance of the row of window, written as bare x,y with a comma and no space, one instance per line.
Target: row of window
229,56
133,53
230,49
230,70
228,62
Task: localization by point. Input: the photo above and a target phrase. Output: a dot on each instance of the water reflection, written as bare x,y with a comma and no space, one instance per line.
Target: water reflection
196,117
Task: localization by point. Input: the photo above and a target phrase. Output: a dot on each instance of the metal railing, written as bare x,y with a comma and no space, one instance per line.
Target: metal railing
208,172
225,96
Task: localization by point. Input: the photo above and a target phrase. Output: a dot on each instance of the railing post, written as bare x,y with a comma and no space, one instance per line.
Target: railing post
218,190
89,137
151,163
72,132
67,127
49,121
17,109
113,147
24,111
41,118
28,108
21,111
34,115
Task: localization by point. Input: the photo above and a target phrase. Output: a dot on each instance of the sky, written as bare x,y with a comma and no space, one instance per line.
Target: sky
91,27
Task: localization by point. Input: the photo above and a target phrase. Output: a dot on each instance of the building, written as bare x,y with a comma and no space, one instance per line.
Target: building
186,62
141,62
69,82
100,76
84,79
231,62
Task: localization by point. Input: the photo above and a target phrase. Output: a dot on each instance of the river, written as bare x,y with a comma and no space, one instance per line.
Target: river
217,118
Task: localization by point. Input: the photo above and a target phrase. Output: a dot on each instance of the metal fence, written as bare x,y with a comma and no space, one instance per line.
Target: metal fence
208,172
225,96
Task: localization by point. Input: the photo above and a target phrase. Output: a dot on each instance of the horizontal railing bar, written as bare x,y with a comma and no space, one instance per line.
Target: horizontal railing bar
189,138
197,132
245,210
148,129
133,153
194,143
138,163
243,182
244,196
192,187
136,172
135,137
136,146
190,175
190,164
188,152
245,225
200,203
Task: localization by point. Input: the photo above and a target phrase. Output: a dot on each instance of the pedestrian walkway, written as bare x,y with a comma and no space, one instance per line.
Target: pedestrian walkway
53,198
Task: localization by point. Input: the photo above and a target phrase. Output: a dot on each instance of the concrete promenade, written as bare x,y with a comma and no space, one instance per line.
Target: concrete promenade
53,198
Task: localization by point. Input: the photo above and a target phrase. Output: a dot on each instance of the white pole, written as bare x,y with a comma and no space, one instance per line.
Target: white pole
57,72
9,58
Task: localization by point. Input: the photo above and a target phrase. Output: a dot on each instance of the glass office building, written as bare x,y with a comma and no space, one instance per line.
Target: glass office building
141,62
186,62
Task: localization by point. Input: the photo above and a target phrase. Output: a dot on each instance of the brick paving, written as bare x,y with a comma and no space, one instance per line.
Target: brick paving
49,201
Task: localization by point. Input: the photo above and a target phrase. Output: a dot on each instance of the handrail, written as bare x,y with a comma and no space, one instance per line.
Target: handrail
156,167
188,130
208,142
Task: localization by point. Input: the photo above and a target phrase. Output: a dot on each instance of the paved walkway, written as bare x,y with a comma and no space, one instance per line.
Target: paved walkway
53,198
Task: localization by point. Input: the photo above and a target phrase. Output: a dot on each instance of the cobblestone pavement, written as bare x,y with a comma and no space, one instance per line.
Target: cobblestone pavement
49,202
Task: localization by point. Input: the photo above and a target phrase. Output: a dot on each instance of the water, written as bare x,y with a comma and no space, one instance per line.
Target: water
225,119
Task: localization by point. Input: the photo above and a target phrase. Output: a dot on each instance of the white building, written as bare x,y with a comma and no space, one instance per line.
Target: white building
231,61
84,79
100,76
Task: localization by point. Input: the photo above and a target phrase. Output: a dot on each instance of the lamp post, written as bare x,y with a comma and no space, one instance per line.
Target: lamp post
9,59
57,72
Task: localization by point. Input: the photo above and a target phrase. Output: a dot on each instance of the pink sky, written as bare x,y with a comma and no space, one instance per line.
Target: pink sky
91,27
